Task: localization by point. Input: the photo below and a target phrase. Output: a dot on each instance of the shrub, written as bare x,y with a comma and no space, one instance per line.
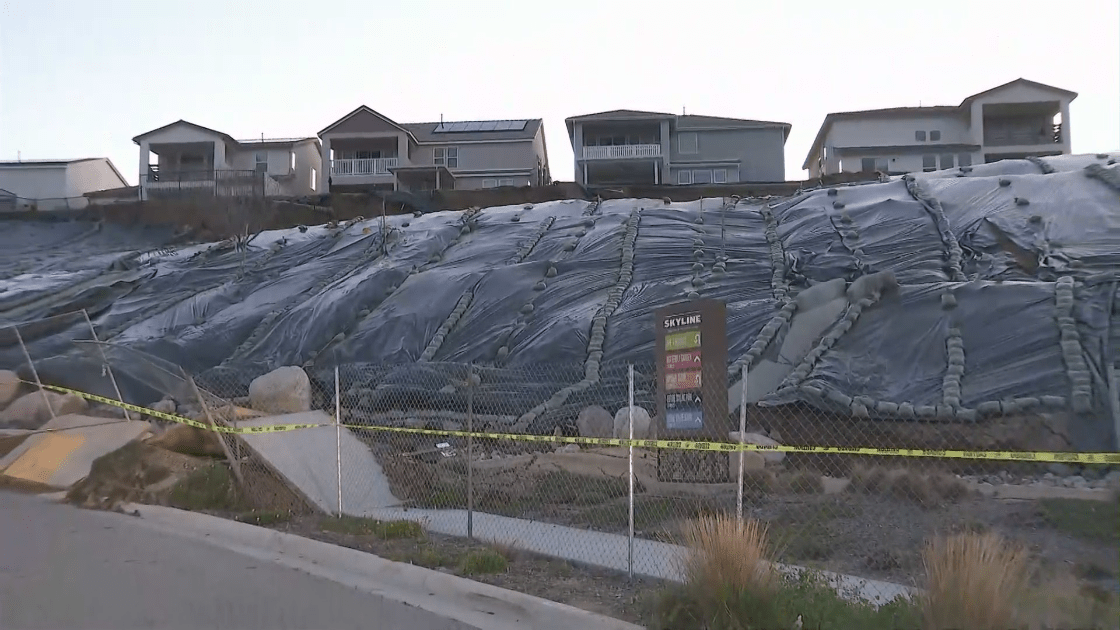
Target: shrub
974,582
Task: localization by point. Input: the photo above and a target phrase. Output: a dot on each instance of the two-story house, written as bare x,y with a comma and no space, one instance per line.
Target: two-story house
1014,120
628,147
185,158
368,151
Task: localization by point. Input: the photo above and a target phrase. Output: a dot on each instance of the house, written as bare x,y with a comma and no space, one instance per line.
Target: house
185,158
57,184
1014,120
368,151
628,147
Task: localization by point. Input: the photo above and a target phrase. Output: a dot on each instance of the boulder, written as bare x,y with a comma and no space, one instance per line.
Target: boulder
596,422
30,410
281,391
772,457
641,423
752,461
9,387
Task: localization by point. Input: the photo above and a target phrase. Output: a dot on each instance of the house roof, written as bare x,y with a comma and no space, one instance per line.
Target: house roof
13,164
430,131
918,111
223,135
684,121
369,110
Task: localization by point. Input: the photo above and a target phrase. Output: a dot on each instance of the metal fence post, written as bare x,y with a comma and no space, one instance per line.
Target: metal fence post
470,451
630,411
338,434
34,372
742,453
105,363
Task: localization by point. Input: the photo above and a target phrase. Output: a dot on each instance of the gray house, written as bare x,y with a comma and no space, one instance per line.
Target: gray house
627,147
365,150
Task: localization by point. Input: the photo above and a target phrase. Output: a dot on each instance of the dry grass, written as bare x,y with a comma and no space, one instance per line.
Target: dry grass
724,556
928,489
974,582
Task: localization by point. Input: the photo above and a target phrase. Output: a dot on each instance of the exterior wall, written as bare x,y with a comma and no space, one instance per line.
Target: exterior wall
540,151
493,180
35,182
307,158
894,131
91,175
760,153
483,156
910,162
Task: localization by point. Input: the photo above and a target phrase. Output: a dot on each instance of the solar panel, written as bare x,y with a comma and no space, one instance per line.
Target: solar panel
487,125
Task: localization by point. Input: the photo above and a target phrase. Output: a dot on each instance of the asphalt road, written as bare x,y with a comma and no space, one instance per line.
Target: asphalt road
62,568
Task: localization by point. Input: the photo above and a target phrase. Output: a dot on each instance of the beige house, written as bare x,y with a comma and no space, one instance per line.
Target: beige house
55,184
630,147
184,158
1014,120
365,151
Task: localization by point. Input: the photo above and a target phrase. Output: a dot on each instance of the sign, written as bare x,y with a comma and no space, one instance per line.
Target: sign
692,386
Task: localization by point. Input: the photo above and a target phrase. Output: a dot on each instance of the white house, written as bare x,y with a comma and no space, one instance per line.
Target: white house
57,184
1014,120
185,158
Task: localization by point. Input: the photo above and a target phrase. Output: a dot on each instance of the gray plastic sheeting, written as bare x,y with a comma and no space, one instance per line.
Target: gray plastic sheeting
513,288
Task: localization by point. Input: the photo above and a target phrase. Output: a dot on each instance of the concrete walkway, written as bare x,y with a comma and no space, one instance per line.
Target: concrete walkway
307,459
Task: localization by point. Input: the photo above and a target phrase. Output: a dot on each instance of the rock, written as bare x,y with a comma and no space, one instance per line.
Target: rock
284,390
9,387
594,421
451,425
1059,469
772,457
1113,479
641,423
166,405
752,461
30,410
568,448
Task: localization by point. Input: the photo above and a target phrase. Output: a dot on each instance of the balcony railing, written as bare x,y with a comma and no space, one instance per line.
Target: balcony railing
1023,136
362,167
622,152
217,182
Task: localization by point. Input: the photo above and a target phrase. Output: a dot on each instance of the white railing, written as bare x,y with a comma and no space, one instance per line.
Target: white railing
362,167
622,152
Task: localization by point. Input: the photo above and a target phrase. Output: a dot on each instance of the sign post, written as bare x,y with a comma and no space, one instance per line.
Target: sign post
692,389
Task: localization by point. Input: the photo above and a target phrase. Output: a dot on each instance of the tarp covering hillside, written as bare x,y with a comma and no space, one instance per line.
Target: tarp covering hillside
525,287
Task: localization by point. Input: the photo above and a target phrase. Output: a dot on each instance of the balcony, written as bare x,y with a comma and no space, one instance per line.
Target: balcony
364,167
622,152
996,135
217,182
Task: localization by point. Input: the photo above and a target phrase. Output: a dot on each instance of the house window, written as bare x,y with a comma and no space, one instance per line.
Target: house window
292,161
934,135
448,157
684,177
719,176
505,182
262,162
489,183
314,179
964,159
867,165
947,160
929,163
687,143
920,136
701,177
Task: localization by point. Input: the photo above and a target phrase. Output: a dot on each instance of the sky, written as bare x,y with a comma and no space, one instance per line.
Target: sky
81,78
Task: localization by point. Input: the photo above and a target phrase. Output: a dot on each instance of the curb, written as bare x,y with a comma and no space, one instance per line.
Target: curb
457,599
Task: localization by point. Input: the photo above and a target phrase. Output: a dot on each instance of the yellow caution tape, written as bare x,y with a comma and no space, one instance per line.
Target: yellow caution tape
684,445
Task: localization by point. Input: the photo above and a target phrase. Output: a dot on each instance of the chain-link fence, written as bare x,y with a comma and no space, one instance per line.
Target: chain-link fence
529,456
